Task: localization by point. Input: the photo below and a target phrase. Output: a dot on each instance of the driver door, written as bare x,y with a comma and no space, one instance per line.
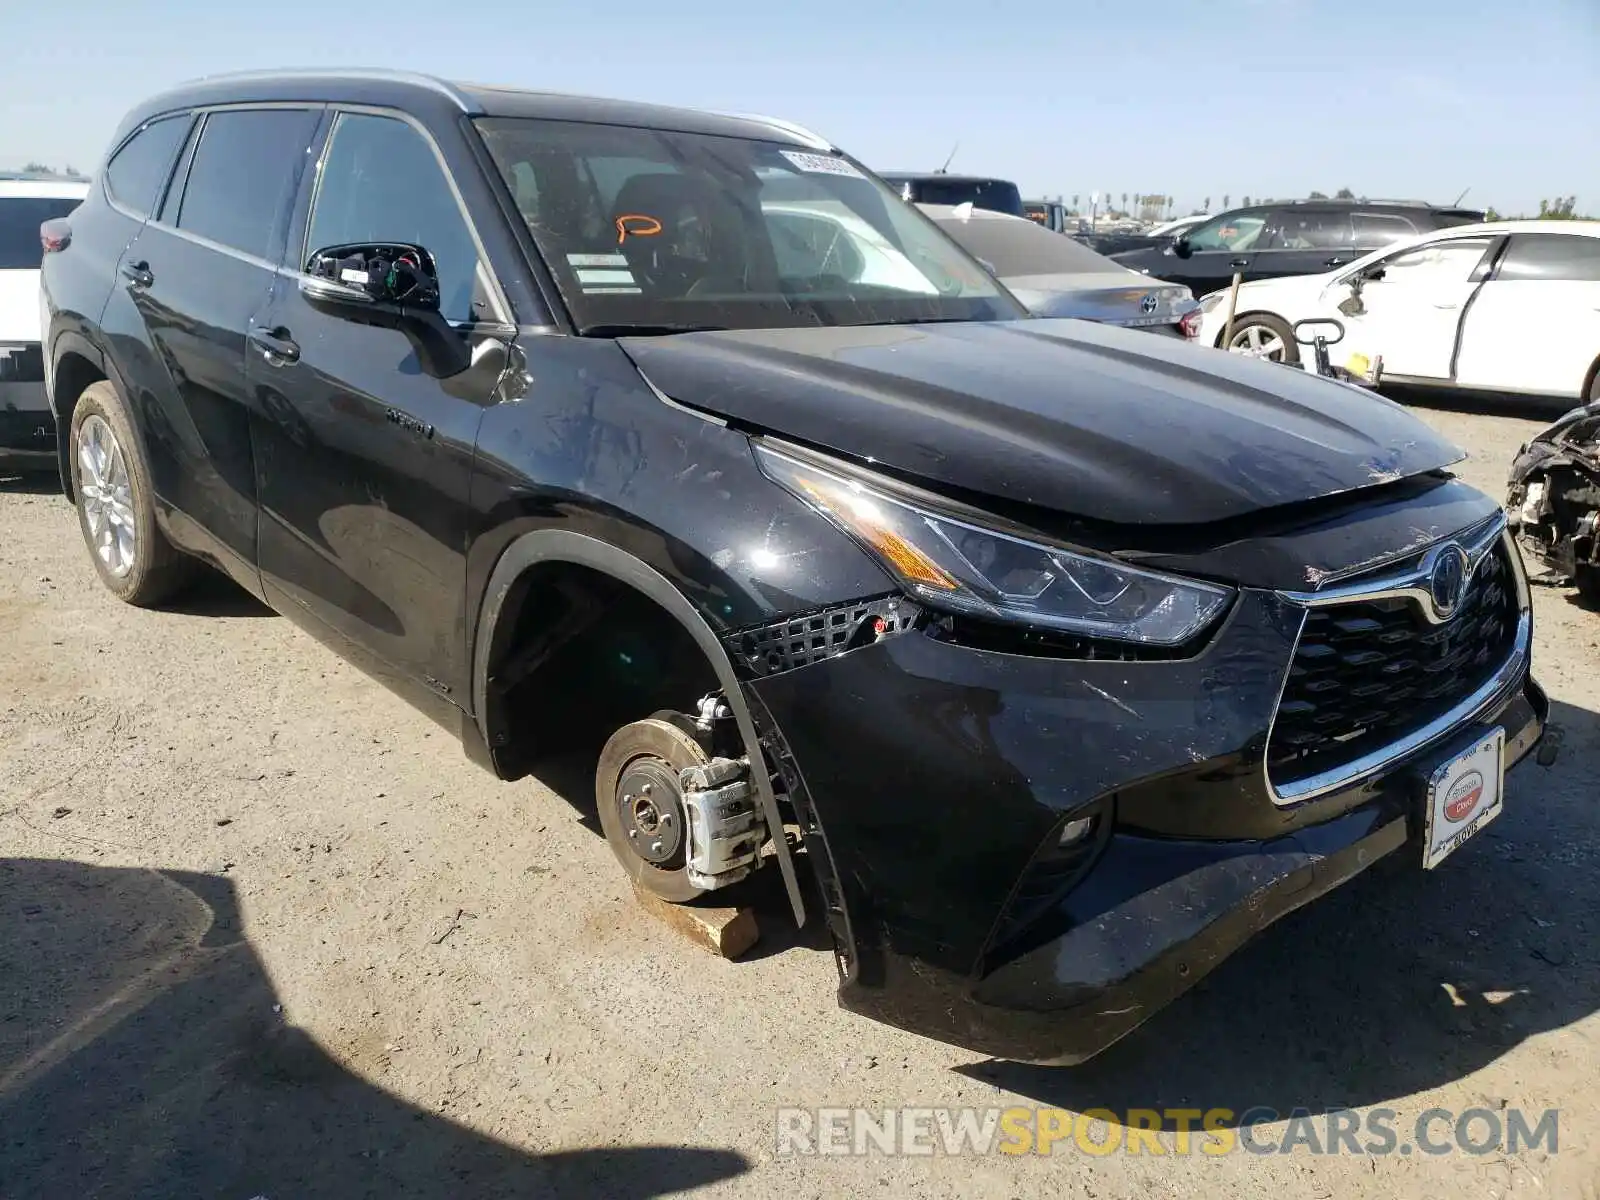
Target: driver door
1410,315
1217,249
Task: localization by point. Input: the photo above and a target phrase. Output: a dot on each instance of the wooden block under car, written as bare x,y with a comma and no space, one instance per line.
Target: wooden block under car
725,931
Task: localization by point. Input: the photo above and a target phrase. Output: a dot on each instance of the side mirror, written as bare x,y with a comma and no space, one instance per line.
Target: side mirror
372,275
393,285
987,266
1375,273
1181,246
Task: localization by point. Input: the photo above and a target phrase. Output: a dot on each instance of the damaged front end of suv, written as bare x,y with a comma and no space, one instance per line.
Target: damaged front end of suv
1553,501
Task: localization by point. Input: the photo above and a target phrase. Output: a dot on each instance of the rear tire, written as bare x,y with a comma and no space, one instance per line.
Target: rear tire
641,804
1264,336
116,504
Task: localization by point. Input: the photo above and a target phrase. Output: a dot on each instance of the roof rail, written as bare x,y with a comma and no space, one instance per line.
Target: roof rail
415,78
1361,200
789,127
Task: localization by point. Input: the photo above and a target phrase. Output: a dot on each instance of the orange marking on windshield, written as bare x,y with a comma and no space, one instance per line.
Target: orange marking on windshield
638,225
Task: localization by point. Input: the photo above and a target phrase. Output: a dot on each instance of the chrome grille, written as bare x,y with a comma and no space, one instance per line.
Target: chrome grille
1369,673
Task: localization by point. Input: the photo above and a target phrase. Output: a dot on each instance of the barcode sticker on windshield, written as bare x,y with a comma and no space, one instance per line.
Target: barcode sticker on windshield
821,164
598,260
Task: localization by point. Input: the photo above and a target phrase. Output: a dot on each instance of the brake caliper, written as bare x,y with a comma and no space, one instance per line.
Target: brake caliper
725,827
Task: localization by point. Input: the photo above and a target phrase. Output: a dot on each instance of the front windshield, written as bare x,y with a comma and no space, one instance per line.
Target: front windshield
649,230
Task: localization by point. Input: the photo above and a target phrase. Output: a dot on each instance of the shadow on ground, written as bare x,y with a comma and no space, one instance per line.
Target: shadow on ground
1399,982
141,1055
29,483
213,594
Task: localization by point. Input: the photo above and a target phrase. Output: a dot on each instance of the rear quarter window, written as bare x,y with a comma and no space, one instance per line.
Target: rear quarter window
1375,230
137,172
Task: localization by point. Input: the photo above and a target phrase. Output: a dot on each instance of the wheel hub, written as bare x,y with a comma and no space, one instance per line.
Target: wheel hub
107,496
650,806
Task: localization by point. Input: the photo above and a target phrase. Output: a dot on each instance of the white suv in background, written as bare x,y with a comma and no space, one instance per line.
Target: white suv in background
27,431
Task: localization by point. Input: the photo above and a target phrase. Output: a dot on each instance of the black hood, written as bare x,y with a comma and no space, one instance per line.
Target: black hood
1084,419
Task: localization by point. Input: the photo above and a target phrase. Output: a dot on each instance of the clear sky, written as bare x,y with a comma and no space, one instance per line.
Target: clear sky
1405,98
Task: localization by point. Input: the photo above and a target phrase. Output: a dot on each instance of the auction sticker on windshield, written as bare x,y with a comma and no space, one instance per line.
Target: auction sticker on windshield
822,164
1463,797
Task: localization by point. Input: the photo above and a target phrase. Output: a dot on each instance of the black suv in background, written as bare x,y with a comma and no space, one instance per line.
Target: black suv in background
1297,237
1062,659
937,187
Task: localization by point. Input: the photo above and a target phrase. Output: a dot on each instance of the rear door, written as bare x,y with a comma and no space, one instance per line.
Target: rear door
1303,241
197,273
364,458
1535,326
1411,315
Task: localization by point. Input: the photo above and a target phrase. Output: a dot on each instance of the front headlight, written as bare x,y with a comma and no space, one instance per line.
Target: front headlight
961,567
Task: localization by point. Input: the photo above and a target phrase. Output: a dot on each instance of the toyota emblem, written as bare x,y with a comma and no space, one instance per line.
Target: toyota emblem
1447,579
1149,304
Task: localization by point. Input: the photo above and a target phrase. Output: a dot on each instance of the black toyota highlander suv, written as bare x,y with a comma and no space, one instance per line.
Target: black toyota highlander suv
1063,659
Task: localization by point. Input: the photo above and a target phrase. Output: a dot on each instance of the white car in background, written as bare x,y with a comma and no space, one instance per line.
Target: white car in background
1512,307
27,430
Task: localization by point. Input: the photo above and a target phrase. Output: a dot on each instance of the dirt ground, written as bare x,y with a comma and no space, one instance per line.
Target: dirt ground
264,932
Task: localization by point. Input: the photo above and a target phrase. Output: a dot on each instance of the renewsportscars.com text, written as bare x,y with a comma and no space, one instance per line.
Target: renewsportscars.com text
1171,1131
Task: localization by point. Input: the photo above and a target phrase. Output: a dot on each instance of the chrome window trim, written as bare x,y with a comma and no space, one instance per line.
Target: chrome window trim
1410,583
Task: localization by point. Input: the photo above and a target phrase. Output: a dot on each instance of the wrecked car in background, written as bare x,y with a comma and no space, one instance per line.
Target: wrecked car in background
1554,500
1065,658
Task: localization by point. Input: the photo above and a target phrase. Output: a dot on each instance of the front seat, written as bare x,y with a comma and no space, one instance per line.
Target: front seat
680,235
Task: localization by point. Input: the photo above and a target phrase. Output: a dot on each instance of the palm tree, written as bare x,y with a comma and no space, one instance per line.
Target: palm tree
1207,205
1225,202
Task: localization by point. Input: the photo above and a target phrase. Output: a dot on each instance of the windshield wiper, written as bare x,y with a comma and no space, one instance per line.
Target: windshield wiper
657,330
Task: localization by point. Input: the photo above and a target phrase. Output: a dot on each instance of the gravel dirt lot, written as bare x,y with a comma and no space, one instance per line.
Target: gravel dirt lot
264,932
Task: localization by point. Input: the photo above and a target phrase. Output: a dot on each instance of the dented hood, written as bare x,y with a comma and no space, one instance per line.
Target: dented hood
1097,422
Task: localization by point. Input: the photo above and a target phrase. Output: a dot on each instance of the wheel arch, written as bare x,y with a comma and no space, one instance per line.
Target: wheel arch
75,363
544,547
1586,393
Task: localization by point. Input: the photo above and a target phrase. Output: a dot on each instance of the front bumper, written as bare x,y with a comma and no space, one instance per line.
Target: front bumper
936,772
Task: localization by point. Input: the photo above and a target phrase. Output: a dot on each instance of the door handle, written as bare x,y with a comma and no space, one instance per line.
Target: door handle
1335,261
138,274
276,346
1447,307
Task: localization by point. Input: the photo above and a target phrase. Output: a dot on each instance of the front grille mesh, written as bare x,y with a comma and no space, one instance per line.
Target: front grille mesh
799,641
1368,673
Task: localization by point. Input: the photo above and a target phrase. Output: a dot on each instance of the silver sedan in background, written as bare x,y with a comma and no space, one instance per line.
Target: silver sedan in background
1056,276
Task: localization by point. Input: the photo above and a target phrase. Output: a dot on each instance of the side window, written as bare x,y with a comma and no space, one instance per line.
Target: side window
1550,256
1437,262
381,182
136,173
244,168
1228,232
1375,230
1307,229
